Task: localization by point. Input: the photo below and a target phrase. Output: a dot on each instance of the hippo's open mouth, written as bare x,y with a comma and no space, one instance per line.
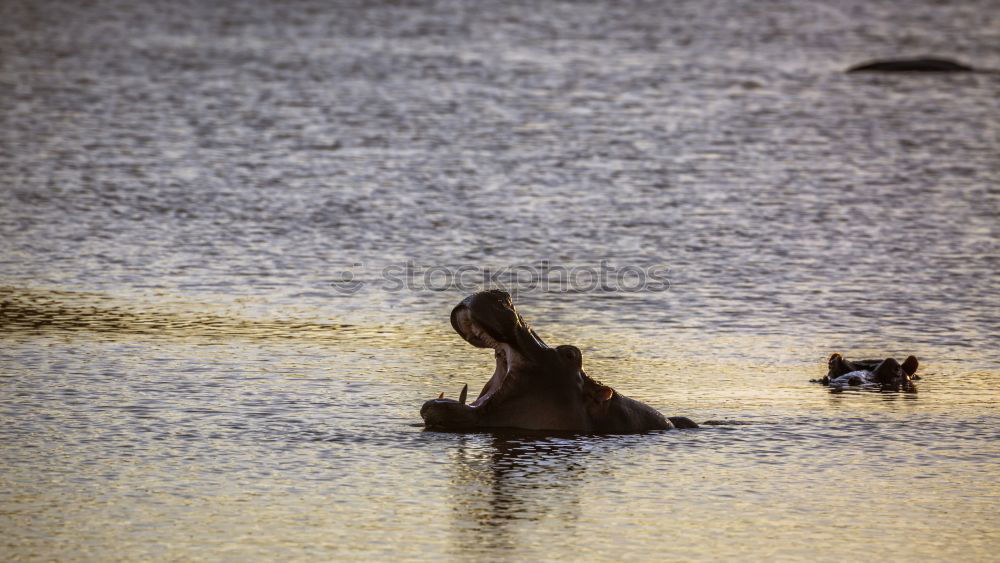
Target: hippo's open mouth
486,320
508,357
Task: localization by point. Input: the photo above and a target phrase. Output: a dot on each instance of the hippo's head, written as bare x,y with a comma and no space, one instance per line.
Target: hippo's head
533,386
888,373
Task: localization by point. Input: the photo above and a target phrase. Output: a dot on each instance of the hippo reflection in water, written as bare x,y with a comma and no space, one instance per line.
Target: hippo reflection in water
534,387
887,374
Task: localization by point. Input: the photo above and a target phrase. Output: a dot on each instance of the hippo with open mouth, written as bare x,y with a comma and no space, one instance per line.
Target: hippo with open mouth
534,387
887,373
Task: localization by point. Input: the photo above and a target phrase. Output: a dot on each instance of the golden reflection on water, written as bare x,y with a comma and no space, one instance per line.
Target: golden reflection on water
170,431
25,310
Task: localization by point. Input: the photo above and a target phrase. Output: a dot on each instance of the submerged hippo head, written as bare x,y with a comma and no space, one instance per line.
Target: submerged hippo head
888,373
534,386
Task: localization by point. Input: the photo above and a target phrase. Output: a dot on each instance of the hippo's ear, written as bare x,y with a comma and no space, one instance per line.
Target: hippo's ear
604,393
910,365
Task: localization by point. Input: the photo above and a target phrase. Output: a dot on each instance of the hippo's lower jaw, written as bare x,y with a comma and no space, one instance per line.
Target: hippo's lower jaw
449,414
534,387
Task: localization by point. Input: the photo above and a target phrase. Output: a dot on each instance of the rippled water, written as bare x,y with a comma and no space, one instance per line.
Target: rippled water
183,184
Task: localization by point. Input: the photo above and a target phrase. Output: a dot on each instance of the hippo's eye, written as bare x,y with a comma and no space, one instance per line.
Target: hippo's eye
571,354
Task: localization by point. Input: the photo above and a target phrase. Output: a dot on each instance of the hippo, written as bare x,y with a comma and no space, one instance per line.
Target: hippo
925,64
887,374
534,387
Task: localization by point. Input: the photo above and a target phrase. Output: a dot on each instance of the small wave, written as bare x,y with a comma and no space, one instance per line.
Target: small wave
34,311
726,423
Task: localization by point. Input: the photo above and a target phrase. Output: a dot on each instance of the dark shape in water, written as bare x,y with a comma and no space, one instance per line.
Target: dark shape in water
924,64
887,374
534,387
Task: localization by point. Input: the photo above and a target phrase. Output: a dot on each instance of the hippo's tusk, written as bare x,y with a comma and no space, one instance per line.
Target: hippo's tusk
463,394
441,396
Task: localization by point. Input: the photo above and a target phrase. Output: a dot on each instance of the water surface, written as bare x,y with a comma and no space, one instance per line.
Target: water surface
183,184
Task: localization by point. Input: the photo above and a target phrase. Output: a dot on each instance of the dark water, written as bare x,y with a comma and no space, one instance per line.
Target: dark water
184,184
